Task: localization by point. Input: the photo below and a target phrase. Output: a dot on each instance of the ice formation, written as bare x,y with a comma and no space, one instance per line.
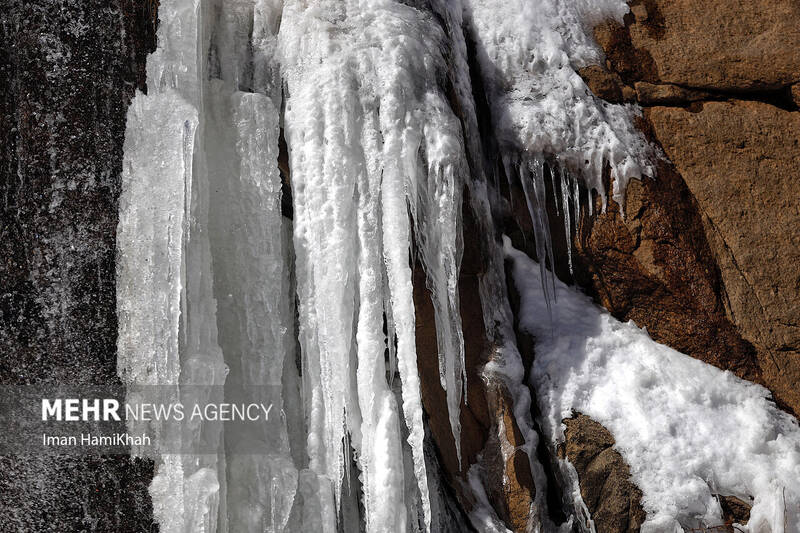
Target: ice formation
545,119
689,431
528,54
375,101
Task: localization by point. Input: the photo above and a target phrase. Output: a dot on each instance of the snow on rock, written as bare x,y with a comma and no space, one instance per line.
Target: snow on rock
528,54
688,430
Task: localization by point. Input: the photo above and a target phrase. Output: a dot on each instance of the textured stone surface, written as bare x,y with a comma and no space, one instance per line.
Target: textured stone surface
606,84
734,510
510,483
67,73
706,256
725,45
654,266
740,160
666,94
612,499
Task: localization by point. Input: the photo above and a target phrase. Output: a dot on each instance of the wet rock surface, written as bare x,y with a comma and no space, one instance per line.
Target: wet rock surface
67,73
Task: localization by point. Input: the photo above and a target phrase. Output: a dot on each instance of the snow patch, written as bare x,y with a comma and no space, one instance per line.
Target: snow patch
687,429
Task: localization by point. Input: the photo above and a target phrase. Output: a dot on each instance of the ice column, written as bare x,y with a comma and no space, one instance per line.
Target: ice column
377,158
164,273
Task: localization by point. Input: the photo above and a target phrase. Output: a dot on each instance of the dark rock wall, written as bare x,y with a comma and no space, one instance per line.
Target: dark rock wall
67,73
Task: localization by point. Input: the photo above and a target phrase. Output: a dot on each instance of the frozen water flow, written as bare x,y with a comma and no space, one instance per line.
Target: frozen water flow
374,99
375,152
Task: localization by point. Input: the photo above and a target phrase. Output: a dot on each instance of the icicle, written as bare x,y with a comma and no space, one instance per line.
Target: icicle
391,342
541,202
397,242
531,178
553,169
354,109
566,193
381,454
159,144
171,268
252,287
576,202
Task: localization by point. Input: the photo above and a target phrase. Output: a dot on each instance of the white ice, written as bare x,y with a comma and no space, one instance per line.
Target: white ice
376,157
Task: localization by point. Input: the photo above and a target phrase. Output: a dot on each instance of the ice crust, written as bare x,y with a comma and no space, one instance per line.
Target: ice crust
529,54
375,101
689,431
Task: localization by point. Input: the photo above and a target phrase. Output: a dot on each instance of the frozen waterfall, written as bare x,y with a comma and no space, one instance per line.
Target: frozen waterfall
314,314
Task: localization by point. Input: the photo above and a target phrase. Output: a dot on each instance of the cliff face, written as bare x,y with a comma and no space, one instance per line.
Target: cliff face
706,256
729,126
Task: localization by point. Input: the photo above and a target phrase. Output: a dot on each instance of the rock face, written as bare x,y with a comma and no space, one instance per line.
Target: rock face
655,267
739,159
67,73
730,186
606,489
667,94
736,157
733,45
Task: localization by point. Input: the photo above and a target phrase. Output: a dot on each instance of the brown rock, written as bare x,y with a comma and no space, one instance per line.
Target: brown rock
489,407
510,487
622,57
666,94
795,92
655,267
613,500
739,160
603,83
723,45
734,510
